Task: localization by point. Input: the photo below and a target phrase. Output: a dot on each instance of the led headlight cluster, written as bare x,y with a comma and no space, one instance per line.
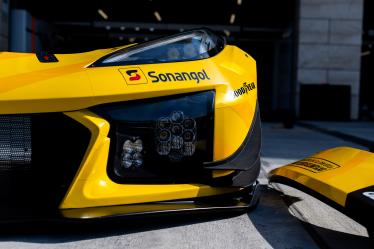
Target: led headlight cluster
176,136
132,154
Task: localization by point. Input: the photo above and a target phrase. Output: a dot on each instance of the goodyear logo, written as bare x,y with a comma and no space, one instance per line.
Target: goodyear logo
245,89
315,165
133,76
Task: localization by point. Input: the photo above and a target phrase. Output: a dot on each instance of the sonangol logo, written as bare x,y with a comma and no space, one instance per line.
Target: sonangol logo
369,194
133,76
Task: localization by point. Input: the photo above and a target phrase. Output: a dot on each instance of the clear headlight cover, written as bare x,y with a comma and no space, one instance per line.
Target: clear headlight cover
187,46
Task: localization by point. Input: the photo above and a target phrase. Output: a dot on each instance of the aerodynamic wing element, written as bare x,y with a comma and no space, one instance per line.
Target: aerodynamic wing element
342,177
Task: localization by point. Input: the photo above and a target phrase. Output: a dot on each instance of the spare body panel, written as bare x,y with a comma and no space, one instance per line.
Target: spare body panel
342,177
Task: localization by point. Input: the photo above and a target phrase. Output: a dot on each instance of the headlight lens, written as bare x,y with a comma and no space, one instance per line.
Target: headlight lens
131,156
178,137
187,46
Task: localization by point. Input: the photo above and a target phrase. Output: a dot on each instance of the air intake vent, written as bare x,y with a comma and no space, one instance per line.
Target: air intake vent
39,156
15,142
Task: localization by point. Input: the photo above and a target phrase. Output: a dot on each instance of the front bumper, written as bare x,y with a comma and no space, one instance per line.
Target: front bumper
92,194
94,188
246,165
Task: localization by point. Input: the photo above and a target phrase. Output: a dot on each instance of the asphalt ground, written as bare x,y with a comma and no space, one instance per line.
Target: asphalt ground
360,129
284,218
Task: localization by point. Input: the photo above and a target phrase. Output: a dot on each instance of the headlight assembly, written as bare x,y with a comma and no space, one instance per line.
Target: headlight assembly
192,45
162,138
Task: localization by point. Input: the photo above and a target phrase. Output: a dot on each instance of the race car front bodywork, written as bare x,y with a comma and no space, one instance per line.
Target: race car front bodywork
342,177
69,120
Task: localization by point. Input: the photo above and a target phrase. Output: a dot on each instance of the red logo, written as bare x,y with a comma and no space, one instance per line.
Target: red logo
133,75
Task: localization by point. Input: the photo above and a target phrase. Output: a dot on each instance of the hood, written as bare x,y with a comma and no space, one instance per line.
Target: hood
28,85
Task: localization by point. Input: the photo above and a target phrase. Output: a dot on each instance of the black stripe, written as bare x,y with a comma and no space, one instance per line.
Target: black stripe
360,206
46,57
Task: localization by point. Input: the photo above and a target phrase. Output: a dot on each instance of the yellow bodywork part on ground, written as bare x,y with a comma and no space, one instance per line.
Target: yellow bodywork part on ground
333,173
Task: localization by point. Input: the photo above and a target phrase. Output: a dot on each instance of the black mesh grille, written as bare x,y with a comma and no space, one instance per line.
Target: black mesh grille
39,156
15,142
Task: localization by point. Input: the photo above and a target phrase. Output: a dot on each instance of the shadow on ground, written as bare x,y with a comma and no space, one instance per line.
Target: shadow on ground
275,223
271,218
70,232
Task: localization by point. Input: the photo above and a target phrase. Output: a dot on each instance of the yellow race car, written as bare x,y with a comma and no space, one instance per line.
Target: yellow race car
170,125
165,126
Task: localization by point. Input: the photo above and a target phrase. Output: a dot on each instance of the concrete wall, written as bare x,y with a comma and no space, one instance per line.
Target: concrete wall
4,20
26,32
20,31
330,35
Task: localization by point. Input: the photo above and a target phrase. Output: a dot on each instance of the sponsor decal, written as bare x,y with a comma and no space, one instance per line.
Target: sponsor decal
133,76
178,76
369,195
315,165
245,89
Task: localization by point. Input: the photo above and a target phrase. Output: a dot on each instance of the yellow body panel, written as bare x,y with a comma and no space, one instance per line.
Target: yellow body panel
71,86
29,86
333,173
92,186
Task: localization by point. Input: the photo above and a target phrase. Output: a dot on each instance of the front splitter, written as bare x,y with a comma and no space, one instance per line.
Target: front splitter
240,201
